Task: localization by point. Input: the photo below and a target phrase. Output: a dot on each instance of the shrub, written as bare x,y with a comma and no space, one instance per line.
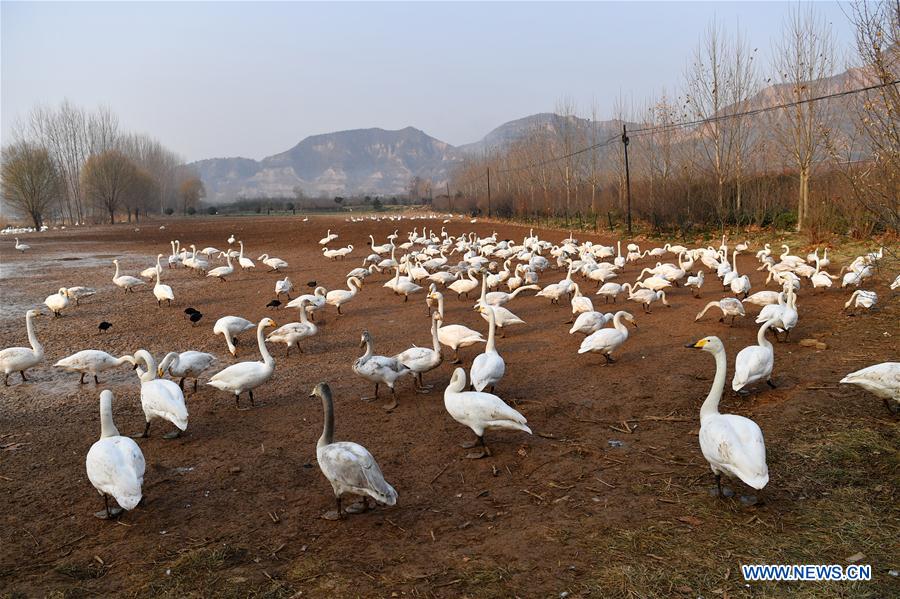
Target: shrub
169,211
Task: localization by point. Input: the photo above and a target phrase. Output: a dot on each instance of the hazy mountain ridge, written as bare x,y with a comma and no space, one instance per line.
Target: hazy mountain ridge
381,162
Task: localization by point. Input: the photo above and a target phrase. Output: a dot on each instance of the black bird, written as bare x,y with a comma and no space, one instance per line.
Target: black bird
189,311
195,318
274,304
312,284
104,326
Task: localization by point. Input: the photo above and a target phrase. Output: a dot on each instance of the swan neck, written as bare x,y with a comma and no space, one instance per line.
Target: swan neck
761,335
107,426
32,336
145,357
263,350
711,404
492,327
435,342
328,426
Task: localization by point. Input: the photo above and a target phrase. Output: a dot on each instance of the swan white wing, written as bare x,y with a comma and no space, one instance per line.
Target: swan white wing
115,466
487,369
482,411
735,445
604,339
241,377
350,466
414,355
164,399
752,364
881,379
89,360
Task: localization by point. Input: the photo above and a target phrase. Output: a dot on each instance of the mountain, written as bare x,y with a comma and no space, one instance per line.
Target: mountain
373,161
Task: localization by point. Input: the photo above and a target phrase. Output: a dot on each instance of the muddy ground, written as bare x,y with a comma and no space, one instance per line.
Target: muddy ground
609,497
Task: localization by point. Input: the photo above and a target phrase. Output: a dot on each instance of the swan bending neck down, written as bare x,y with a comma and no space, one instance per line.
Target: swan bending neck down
114,464
160,398
480,412
349,467
246,376
733,445
20,359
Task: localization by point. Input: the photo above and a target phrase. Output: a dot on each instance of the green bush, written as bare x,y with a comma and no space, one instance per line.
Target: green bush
785,221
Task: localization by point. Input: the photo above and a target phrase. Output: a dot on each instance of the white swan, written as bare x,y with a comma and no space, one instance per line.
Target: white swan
502,317
314,301
580,303
22,246
93,362
733,445
57,302
589,322
606,341
230,327
247,376
464,286
294,332
349,467
329,237
273,263
379,369
454,336
160,398
488,367
882,380
403,285
783,314
244,263
729,306
149,273
220,272
423,359
284,287
115,465
480,412
339,297
763,298
162,293
126,282
612,290
862,299
185,364
755,362
695,283
76,294
20,359
645,297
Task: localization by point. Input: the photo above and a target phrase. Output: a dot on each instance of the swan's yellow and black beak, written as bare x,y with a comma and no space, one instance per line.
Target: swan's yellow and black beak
159,372
697,344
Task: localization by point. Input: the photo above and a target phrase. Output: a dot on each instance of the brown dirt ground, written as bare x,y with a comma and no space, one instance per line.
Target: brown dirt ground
233,507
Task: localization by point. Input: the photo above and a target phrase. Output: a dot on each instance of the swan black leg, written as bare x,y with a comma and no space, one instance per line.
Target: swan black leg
82,379
771,384
22,372
146,432
195,385
393,403
181,384
336,514
96,380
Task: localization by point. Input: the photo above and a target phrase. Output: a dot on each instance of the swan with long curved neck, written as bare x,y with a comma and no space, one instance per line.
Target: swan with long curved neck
247,376
160,398
454,336
162,293
349,467
729,306
488,367
379,369
20,359
423,359
606,341
186,364
733,445
230,327
755,362
126,282
480,412
339,297
114,464
244,263
294,332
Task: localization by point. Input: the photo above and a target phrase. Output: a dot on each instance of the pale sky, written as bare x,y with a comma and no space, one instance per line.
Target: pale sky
252,79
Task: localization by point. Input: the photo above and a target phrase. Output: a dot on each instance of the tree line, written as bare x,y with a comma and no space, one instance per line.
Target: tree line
70,165
740,143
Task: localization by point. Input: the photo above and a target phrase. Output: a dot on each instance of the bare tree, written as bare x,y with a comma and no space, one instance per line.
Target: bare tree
192,191
30,181
803,59
106,179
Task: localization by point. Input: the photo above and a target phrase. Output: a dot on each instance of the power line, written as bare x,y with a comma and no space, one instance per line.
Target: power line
683,124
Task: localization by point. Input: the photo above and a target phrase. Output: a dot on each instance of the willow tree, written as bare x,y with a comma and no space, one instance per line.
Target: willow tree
30,181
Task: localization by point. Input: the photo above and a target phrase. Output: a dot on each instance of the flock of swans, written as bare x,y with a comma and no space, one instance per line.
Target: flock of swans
424,264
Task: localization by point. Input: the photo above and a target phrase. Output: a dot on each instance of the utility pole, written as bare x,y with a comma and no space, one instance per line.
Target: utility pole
489,190
627,176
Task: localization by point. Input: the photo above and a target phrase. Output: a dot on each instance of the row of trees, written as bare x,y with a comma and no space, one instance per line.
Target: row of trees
74,166
716,152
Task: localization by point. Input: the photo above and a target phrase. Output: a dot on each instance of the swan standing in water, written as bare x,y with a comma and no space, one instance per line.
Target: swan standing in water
733,445
349,467
160,398
379,369
247,376
755,362
606,341
423,359
480,412
488,367
20,359
114,464
882,380
186,364
93,362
